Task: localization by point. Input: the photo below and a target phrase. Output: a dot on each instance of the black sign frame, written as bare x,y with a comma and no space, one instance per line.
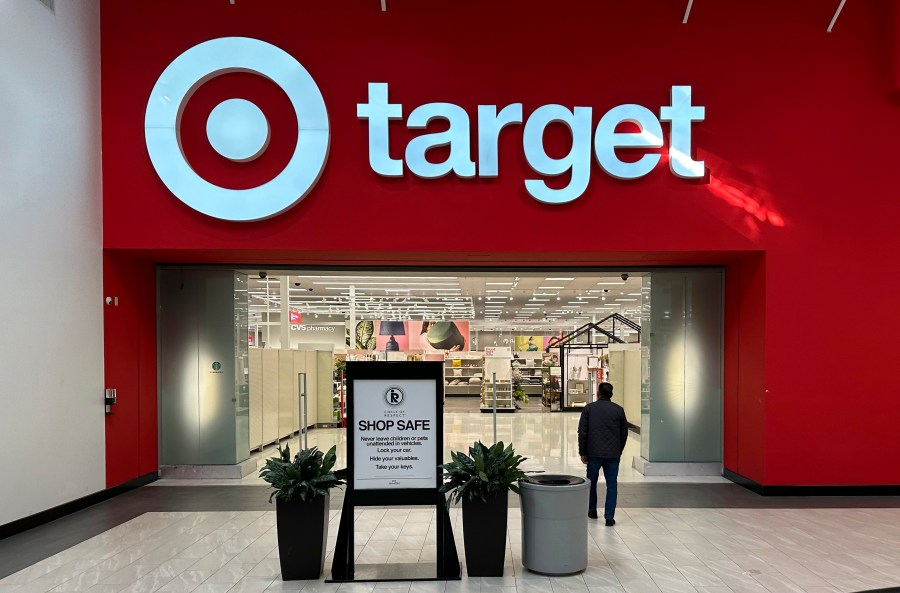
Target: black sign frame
344,568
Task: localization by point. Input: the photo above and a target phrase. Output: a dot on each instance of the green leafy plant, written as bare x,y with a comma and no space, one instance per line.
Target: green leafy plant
340,365
518,392
482,474
305,477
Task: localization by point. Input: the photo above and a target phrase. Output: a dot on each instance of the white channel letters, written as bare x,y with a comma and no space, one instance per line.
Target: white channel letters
239,131
680,114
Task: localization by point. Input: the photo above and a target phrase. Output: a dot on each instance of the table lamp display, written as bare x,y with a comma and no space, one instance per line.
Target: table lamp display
392,328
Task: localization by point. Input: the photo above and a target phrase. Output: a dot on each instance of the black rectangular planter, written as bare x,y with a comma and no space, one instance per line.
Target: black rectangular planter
484,535
302,532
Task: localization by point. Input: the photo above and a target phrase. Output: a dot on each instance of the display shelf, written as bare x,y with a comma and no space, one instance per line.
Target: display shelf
550,398
463,390
499,375
527,377
577,393
505,400
338,390
468,366
336,412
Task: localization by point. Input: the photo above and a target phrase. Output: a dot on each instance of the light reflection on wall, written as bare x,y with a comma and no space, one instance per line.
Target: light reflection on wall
740,199
692,377
754,202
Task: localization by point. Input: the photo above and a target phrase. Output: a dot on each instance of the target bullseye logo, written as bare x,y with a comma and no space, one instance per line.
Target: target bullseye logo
237,129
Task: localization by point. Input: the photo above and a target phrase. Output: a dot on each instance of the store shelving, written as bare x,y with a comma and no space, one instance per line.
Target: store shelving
504,397
463,375
498,371
339,390
550,379
529,369
579,392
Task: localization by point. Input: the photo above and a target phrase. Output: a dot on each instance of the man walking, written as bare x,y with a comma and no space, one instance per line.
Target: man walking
602,431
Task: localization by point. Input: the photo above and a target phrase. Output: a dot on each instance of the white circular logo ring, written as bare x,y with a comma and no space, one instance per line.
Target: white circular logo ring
206,61
394,396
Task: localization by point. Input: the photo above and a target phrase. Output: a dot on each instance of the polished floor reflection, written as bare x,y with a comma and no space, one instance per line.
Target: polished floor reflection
648,551
548,440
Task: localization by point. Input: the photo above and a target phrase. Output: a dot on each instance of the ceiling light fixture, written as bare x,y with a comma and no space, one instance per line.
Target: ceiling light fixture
408,283
836,15
380,277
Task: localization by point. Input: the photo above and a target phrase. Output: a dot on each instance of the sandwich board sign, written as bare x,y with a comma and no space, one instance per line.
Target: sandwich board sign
395,436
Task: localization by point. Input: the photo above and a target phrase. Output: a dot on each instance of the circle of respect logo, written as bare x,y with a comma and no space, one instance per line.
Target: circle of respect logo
236,129
393,396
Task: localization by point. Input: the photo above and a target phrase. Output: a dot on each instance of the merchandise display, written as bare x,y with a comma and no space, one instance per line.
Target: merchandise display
339,388
463,373
527,375
498,373
550,374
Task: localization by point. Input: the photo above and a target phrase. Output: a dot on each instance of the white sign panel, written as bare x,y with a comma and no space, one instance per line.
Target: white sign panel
395,440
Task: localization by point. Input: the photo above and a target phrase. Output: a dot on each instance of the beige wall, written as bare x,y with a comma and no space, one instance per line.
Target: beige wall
51,357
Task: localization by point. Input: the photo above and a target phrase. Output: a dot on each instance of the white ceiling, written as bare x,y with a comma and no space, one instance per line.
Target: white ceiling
490,300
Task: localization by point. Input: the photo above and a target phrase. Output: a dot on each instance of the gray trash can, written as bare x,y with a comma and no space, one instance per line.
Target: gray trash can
554,524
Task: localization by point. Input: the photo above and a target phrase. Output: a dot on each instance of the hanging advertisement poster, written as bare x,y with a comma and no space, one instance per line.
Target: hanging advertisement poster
394,434
452,336
529,343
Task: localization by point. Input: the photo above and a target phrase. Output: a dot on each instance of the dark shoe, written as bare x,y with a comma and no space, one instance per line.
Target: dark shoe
592,514
610,522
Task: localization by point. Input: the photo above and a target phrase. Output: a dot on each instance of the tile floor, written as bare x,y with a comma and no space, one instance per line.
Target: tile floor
548,440
648,551
683,550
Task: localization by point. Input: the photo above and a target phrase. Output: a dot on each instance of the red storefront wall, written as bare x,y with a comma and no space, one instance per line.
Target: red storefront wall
800,205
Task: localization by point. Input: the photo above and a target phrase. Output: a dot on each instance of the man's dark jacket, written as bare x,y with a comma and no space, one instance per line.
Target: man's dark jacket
602,429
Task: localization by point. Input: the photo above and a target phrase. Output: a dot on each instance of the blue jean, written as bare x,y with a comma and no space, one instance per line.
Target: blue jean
610,466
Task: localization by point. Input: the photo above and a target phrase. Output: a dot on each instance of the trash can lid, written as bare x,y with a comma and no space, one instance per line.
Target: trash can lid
553,480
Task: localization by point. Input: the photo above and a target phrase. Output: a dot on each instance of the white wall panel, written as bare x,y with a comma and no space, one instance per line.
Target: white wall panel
326,386
285,393
256,398
299,367
50,238
270,395
633,385
312,387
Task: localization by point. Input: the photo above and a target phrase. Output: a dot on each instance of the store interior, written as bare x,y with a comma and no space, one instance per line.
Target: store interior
511,342
251,357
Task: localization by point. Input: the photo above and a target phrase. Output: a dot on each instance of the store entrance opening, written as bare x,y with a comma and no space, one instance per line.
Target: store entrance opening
252,357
